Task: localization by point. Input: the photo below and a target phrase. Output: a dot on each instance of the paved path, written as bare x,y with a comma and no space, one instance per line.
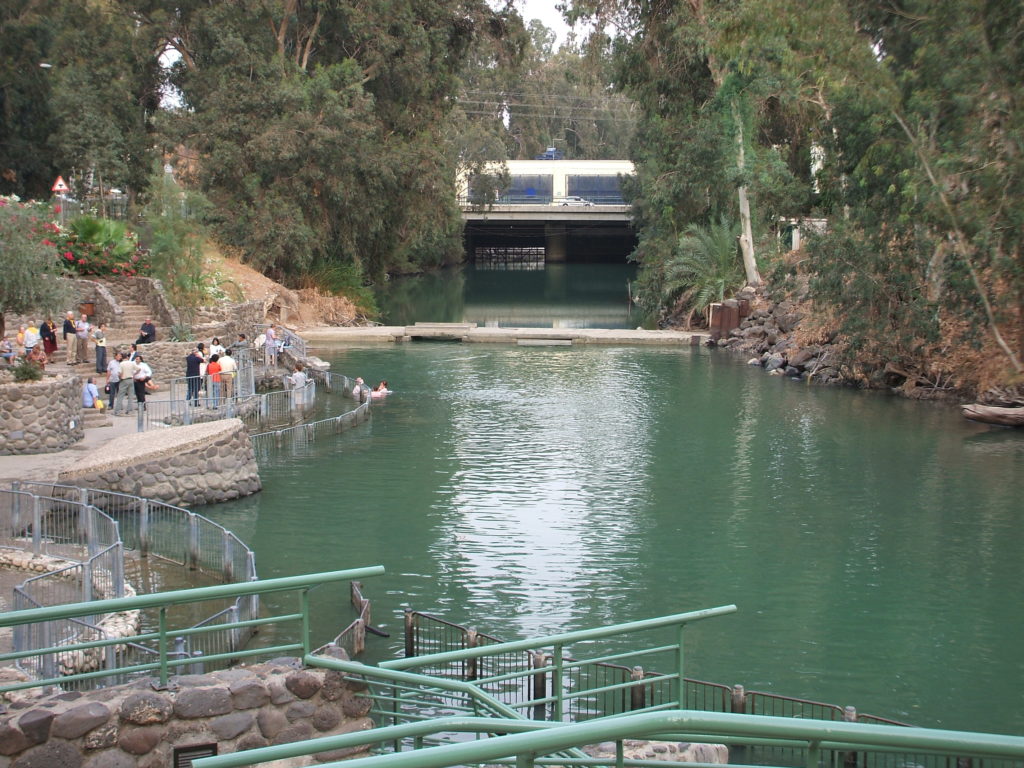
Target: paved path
470,332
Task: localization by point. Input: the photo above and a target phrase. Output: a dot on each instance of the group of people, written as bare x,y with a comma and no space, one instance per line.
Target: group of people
32,342
127,373
212,369
38,344
361,390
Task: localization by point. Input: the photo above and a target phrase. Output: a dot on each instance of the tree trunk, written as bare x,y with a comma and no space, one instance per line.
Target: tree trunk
991,414
746,230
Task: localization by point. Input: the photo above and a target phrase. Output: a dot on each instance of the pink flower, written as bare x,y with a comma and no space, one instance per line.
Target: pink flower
69,256
56,209
48,242
81,261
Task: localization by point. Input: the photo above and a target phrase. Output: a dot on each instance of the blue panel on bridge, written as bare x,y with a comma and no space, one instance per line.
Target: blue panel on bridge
601,190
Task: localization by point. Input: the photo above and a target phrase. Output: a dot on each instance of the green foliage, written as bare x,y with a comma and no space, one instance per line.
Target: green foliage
706,267
26,370
93,246
343,280
181,332
32,273
175,238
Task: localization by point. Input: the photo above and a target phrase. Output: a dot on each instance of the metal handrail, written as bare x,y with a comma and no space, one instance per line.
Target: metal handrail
165,635
539,738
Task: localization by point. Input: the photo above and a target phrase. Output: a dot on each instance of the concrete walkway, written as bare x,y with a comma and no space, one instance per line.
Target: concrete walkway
470,332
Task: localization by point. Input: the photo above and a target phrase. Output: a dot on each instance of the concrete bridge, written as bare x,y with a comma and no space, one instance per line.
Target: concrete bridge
567,207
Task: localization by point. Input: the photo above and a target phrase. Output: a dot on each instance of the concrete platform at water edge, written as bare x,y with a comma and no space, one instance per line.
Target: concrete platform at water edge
471,332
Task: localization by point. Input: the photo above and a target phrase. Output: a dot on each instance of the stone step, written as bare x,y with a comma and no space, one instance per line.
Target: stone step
93,418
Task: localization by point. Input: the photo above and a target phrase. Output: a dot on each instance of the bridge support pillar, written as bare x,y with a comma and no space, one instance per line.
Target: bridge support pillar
556,238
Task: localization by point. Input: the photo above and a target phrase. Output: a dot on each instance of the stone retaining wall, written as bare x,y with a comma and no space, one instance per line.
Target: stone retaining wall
197,464
40,416
135,726
148,291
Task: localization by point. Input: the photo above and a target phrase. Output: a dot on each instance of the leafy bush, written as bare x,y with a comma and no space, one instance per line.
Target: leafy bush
94,246
26,370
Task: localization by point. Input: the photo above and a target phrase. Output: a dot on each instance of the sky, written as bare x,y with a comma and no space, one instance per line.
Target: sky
545,11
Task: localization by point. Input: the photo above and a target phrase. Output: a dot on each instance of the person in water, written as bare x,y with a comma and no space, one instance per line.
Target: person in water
381,389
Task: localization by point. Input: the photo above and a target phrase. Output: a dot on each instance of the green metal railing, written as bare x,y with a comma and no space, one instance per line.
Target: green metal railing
563,686
165,635
527,743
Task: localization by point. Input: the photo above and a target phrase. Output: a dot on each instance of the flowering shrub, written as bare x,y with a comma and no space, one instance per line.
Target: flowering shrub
88,246
92,246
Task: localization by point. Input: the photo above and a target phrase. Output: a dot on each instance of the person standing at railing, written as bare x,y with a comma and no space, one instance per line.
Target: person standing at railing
48,332
125,384
213,371
299,380
271,344
81,354
194,374
68,331
143,373
228,369
113,377
99,338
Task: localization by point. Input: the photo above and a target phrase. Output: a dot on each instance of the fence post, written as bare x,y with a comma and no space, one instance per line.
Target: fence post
472,640
738,700
118,569
637,697
235,636
540,684
15,509
192,555
410,637
228,556
140,419
37,525
49,660
144,542
87,596
197,667
90,528
556,684
849,716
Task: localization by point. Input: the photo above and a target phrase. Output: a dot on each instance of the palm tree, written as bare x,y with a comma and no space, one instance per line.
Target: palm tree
705,268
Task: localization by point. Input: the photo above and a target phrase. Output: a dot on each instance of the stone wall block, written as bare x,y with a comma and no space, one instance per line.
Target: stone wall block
102,737
139,740
111,759
50,755
146,708
35,724
231,726
79,720
303,684
279,694
355,706
251,741
300,710
13,741
326,718
297,731
202,702
271,722
249,694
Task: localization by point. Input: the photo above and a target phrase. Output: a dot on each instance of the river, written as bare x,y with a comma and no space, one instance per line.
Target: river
873,545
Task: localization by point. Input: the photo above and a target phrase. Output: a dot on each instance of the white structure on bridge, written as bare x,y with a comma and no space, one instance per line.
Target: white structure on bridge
536,193
540,182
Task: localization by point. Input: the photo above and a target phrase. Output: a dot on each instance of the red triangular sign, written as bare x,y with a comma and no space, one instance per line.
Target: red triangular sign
59,185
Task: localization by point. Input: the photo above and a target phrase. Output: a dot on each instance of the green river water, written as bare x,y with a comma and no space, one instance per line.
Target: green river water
872,545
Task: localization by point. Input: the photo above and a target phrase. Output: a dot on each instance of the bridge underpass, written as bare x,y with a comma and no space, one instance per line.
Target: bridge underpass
545,233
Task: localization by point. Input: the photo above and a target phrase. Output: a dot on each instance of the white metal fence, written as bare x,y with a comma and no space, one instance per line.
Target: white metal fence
151,528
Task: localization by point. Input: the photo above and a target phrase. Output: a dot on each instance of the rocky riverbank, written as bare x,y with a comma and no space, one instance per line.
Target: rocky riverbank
791,337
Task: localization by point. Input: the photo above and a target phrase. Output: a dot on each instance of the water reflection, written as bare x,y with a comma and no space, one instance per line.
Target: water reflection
873,546
554,296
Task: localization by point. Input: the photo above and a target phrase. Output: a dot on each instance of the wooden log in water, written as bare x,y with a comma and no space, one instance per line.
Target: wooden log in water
991,414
